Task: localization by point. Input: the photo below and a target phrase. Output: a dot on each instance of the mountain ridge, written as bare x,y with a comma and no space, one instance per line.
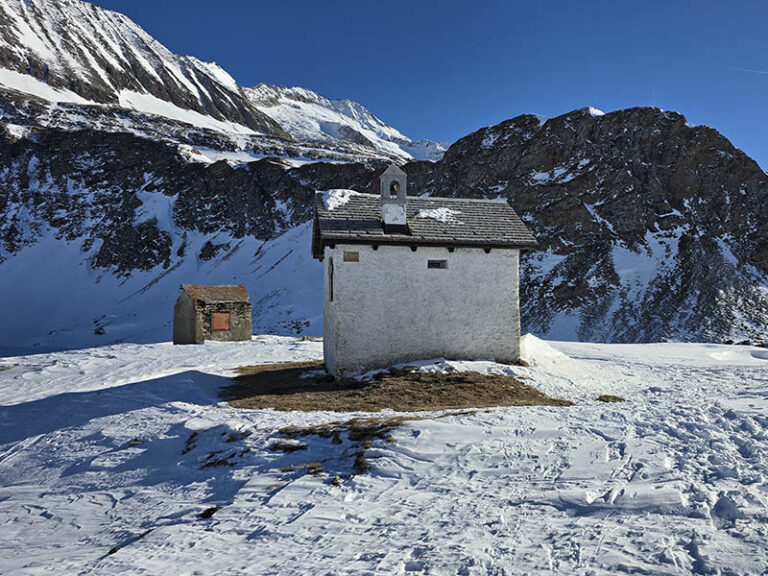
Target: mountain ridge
650,229
100,67
309,116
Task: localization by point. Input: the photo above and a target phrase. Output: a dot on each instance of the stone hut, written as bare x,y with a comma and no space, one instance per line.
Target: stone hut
221,313
410,278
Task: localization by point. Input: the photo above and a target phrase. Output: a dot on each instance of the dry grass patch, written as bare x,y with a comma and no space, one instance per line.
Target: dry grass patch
281,387
283,446
361,431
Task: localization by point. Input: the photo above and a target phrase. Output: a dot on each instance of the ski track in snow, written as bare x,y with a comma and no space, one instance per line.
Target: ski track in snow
97,452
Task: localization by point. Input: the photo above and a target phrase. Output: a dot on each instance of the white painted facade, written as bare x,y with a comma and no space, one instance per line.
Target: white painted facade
387,306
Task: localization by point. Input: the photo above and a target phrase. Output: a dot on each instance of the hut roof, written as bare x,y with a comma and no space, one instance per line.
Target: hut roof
216,294
356,218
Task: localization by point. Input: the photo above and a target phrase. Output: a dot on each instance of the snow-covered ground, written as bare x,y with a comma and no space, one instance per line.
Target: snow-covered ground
97,452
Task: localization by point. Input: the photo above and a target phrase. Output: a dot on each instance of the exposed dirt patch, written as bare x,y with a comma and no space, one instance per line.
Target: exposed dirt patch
214,460
310,339
7,367
191,442
609,398
116,549
281,386
306,386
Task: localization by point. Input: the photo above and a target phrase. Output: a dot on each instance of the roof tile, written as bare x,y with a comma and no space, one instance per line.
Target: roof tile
481,223
216,294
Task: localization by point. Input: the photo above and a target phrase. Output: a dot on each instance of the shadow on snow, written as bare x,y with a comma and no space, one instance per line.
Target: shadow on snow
75,409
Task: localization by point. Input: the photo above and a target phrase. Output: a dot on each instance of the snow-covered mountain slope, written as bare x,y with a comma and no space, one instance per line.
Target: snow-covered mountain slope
72,65
109,456
104,57
309,117
650,228
128,220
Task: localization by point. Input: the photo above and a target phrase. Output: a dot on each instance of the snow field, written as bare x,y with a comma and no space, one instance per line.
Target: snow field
280,279
97,449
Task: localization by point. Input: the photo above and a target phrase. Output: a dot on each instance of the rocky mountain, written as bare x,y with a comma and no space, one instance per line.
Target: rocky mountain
72,65
115,189
99,229
105,58
650,228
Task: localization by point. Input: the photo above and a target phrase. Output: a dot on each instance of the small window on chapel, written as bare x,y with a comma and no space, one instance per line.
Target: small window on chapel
394,189
220,321
440,264
351,256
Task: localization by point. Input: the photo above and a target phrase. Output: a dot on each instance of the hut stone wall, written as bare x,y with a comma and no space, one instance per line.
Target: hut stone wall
240,321
196,320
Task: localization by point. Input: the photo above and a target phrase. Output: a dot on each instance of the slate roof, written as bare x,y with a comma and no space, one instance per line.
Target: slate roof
474,223
216,294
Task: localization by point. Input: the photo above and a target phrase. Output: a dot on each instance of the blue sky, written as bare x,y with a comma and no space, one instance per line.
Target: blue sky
442,69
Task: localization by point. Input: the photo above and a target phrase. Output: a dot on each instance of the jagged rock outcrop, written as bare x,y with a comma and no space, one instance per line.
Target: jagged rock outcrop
650,228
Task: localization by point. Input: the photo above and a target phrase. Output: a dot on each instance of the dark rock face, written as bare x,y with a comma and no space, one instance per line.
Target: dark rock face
106,190
649,229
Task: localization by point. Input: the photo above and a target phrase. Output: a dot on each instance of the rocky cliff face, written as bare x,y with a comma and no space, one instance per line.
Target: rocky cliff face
130,201
650,228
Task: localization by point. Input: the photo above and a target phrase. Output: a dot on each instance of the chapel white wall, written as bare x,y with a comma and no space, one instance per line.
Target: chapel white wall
390,308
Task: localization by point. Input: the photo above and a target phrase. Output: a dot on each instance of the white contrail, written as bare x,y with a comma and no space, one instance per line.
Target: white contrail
751,70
